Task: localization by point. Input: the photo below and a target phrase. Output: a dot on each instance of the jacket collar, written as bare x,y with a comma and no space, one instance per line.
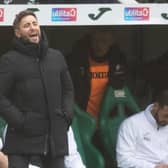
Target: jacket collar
151,119
31,49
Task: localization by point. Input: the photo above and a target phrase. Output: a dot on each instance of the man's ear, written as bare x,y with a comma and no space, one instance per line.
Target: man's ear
155,106
17,33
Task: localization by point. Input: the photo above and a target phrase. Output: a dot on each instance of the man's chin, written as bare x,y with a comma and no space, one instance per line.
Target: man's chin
162,124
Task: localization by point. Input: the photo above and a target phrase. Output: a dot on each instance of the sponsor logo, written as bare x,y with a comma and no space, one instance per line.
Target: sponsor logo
137,13
147,137
64,14
99,75
164,15
1,14
101,12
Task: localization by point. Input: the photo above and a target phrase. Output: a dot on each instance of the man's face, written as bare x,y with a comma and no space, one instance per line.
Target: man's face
161,115
101,43
29,29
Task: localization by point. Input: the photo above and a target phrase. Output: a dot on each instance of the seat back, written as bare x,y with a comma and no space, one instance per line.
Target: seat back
2,127
77,136
84,127
114,110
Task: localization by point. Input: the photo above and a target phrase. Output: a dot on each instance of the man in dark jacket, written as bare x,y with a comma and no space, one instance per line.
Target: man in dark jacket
36,97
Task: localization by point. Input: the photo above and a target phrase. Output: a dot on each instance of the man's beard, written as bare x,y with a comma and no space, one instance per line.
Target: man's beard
160,123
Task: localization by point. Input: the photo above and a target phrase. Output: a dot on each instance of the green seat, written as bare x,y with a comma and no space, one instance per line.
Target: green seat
2,126
113,112
84,126
77,136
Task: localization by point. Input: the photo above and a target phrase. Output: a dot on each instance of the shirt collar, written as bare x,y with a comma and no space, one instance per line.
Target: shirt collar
149,116
151,119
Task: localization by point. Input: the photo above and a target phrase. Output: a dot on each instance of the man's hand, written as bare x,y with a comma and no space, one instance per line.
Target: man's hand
162,166
3,160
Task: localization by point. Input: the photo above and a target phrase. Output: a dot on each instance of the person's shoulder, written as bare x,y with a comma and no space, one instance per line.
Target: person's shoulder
10,55
134,119
55,55
136,116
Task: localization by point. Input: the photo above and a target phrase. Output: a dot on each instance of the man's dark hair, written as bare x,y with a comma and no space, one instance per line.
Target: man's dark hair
19,17
162,97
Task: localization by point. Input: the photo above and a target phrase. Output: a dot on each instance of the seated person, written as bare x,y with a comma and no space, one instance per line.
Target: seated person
143,137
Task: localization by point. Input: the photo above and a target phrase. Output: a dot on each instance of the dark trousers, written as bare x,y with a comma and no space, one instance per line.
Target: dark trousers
22,161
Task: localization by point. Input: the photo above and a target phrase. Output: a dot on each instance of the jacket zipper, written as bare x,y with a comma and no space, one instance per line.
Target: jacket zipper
46,145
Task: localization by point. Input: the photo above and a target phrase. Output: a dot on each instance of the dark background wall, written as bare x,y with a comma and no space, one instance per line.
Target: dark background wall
139,43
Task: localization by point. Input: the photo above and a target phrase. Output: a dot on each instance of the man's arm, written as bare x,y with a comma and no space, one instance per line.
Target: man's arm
126,148
10,113
67,93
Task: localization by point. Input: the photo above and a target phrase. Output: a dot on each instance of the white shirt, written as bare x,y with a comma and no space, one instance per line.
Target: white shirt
1,143
73,160
141,144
